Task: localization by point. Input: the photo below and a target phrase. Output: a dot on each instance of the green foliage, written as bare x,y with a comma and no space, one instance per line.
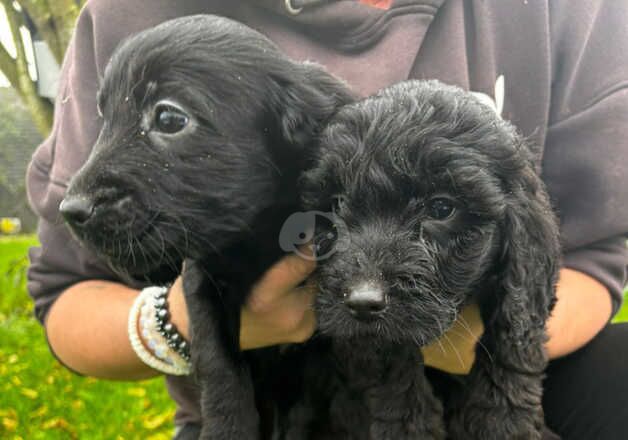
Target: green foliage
40,399
13,265
18,136
622,314
18,139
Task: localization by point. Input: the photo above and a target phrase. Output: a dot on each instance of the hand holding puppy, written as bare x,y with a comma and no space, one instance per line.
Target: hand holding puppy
277,312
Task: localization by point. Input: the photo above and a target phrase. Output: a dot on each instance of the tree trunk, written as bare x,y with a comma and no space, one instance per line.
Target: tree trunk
39,11
40,109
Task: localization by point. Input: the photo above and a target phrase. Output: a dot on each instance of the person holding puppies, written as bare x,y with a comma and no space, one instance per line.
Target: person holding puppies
556,71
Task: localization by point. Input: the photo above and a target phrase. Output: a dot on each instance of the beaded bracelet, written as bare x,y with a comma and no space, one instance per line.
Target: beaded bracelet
155,341
167,329
162,357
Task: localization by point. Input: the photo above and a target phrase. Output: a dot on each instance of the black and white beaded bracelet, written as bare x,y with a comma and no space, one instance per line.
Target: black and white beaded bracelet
166,328
148,344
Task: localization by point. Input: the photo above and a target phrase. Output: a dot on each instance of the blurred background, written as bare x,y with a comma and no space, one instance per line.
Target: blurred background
39,398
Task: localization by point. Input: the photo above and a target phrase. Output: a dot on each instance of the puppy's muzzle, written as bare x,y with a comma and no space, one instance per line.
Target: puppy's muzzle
106,213
366,301
76,210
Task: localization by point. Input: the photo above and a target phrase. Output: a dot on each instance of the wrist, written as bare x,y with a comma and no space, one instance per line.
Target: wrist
178,309
583,307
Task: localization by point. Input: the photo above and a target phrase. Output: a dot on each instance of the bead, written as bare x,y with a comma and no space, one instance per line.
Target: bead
175,337
160,302
163,313
169,328
171,363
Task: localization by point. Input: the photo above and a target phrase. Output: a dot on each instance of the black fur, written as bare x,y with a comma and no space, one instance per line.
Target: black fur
388,166
215,192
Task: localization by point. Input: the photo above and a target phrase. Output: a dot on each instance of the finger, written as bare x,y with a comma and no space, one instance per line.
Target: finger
292,320
279,280
291,310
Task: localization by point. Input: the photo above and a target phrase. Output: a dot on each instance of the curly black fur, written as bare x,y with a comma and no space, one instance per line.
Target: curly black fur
210,180
441,205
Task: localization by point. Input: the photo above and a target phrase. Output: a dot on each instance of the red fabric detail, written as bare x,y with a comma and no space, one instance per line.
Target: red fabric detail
379,4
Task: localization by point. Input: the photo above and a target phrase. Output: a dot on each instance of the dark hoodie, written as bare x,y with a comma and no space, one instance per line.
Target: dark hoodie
565,83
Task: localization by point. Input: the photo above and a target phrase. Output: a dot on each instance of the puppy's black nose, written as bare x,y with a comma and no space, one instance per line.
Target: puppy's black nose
366,300
76,210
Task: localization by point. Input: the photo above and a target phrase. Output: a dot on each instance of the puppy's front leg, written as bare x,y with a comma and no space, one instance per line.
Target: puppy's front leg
405,407
227,398
502,399
386,395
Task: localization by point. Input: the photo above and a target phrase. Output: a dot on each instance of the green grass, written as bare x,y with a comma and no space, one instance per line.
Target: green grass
13,262
40,399
622,314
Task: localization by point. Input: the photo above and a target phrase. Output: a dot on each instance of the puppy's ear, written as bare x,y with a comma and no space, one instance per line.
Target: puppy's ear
304,101
530,263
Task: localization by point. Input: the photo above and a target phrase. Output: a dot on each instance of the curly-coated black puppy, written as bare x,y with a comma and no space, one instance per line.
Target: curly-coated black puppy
205,130
441,206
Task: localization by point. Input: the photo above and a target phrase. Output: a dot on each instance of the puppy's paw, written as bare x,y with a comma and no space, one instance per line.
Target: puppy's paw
193,278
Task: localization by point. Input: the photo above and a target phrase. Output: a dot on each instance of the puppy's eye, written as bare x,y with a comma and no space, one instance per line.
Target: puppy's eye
440,208
169,119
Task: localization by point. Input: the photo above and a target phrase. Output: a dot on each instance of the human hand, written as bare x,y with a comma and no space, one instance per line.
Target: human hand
278,310
454,352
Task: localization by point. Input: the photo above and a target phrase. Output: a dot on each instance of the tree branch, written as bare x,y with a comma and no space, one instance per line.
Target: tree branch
40,12
40,109
64,14
7,66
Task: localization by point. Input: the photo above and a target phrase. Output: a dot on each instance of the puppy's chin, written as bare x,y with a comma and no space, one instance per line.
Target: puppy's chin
143,257
152,269
391,326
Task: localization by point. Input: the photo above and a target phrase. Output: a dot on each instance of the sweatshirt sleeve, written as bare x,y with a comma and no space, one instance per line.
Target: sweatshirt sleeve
586,150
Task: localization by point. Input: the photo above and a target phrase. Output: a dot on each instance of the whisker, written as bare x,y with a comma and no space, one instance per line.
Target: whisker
462,364
478,338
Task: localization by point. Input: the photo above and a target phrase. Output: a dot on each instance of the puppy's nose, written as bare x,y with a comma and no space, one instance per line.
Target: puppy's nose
76,210
366,300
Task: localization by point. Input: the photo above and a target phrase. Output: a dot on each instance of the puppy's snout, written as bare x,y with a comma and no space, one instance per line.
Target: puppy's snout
366,301
76,210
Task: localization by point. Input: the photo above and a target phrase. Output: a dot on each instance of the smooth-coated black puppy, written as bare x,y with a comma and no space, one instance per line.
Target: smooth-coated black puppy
441,206
206,126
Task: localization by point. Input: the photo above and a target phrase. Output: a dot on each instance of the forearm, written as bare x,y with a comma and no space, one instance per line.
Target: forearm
87,330
582,309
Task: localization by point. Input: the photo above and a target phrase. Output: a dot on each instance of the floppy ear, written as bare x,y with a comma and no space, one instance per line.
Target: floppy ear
505,382
526,288
304,100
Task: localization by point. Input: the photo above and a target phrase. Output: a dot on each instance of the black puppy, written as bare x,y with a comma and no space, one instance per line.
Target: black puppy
206,126
441,206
